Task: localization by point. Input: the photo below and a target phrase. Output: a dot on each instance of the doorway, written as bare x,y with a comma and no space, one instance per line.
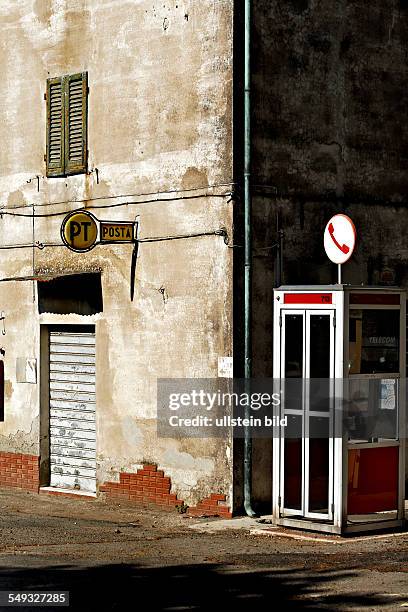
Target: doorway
72,407
306,446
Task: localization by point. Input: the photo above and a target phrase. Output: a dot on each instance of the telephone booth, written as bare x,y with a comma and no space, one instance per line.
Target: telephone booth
339,447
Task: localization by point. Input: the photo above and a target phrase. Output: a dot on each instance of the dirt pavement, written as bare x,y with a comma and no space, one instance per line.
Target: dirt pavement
113,557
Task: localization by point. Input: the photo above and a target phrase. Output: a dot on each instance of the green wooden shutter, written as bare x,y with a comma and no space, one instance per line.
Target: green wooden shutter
55,127
76,109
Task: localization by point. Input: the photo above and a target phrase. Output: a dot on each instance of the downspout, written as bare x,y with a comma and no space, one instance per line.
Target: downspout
248,258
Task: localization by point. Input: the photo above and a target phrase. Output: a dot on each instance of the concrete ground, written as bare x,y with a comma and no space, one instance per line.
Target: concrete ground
113,557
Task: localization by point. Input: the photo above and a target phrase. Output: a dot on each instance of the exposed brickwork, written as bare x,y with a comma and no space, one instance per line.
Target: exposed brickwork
148,485
215,505
20,471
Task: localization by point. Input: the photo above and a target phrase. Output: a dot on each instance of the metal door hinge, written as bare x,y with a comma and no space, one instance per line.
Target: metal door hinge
334,321
280,320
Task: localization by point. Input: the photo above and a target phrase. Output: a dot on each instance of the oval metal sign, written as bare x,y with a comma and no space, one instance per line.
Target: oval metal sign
339,238
79,231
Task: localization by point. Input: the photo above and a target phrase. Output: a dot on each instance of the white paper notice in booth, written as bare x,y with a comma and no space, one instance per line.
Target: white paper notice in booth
387,394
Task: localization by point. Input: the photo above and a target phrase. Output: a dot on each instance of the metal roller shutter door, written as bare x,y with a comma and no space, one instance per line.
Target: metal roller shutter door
72,411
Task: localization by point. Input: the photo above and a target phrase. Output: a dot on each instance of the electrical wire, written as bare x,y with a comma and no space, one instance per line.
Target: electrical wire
311,198
267,248
119,204
220,232
128,195
37,245
42,245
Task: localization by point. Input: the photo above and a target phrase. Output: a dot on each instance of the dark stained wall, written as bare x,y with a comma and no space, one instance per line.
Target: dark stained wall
330,134
330,98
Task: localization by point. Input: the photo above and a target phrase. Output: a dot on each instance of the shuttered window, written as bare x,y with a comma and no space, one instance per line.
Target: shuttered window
67,144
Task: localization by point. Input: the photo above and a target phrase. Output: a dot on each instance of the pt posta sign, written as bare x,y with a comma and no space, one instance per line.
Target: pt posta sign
79,231
339,238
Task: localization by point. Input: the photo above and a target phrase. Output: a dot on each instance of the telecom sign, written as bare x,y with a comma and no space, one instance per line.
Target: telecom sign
339,239
79,231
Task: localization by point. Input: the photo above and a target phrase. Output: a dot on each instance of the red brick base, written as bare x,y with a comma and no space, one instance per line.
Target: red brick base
150,485
19,471
211,506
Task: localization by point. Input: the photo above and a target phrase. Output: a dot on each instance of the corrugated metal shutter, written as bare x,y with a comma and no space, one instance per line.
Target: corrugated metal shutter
72,410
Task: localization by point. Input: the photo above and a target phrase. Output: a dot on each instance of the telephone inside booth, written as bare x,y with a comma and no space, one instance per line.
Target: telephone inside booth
339,358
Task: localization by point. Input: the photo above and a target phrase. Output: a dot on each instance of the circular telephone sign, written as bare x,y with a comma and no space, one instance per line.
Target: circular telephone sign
79,231
339,239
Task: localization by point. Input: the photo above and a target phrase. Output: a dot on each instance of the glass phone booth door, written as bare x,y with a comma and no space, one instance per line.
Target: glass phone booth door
306,448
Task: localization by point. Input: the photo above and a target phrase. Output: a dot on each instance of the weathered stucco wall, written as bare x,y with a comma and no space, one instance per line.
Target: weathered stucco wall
160,105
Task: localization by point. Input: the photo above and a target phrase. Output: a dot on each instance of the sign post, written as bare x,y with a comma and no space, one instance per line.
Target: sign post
339,240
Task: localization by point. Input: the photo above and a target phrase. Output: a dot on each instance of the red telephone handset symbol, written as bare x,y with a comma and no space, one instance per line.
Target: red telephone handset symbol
344,249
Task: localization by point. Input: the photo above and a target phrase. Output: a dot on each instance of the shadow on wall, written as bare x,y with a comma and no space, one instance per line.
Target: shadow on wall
198,587
74,293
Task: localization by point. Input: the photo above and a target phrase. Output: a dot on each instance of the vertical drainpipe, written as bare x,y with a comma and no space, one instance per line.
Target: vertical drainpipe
248,257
